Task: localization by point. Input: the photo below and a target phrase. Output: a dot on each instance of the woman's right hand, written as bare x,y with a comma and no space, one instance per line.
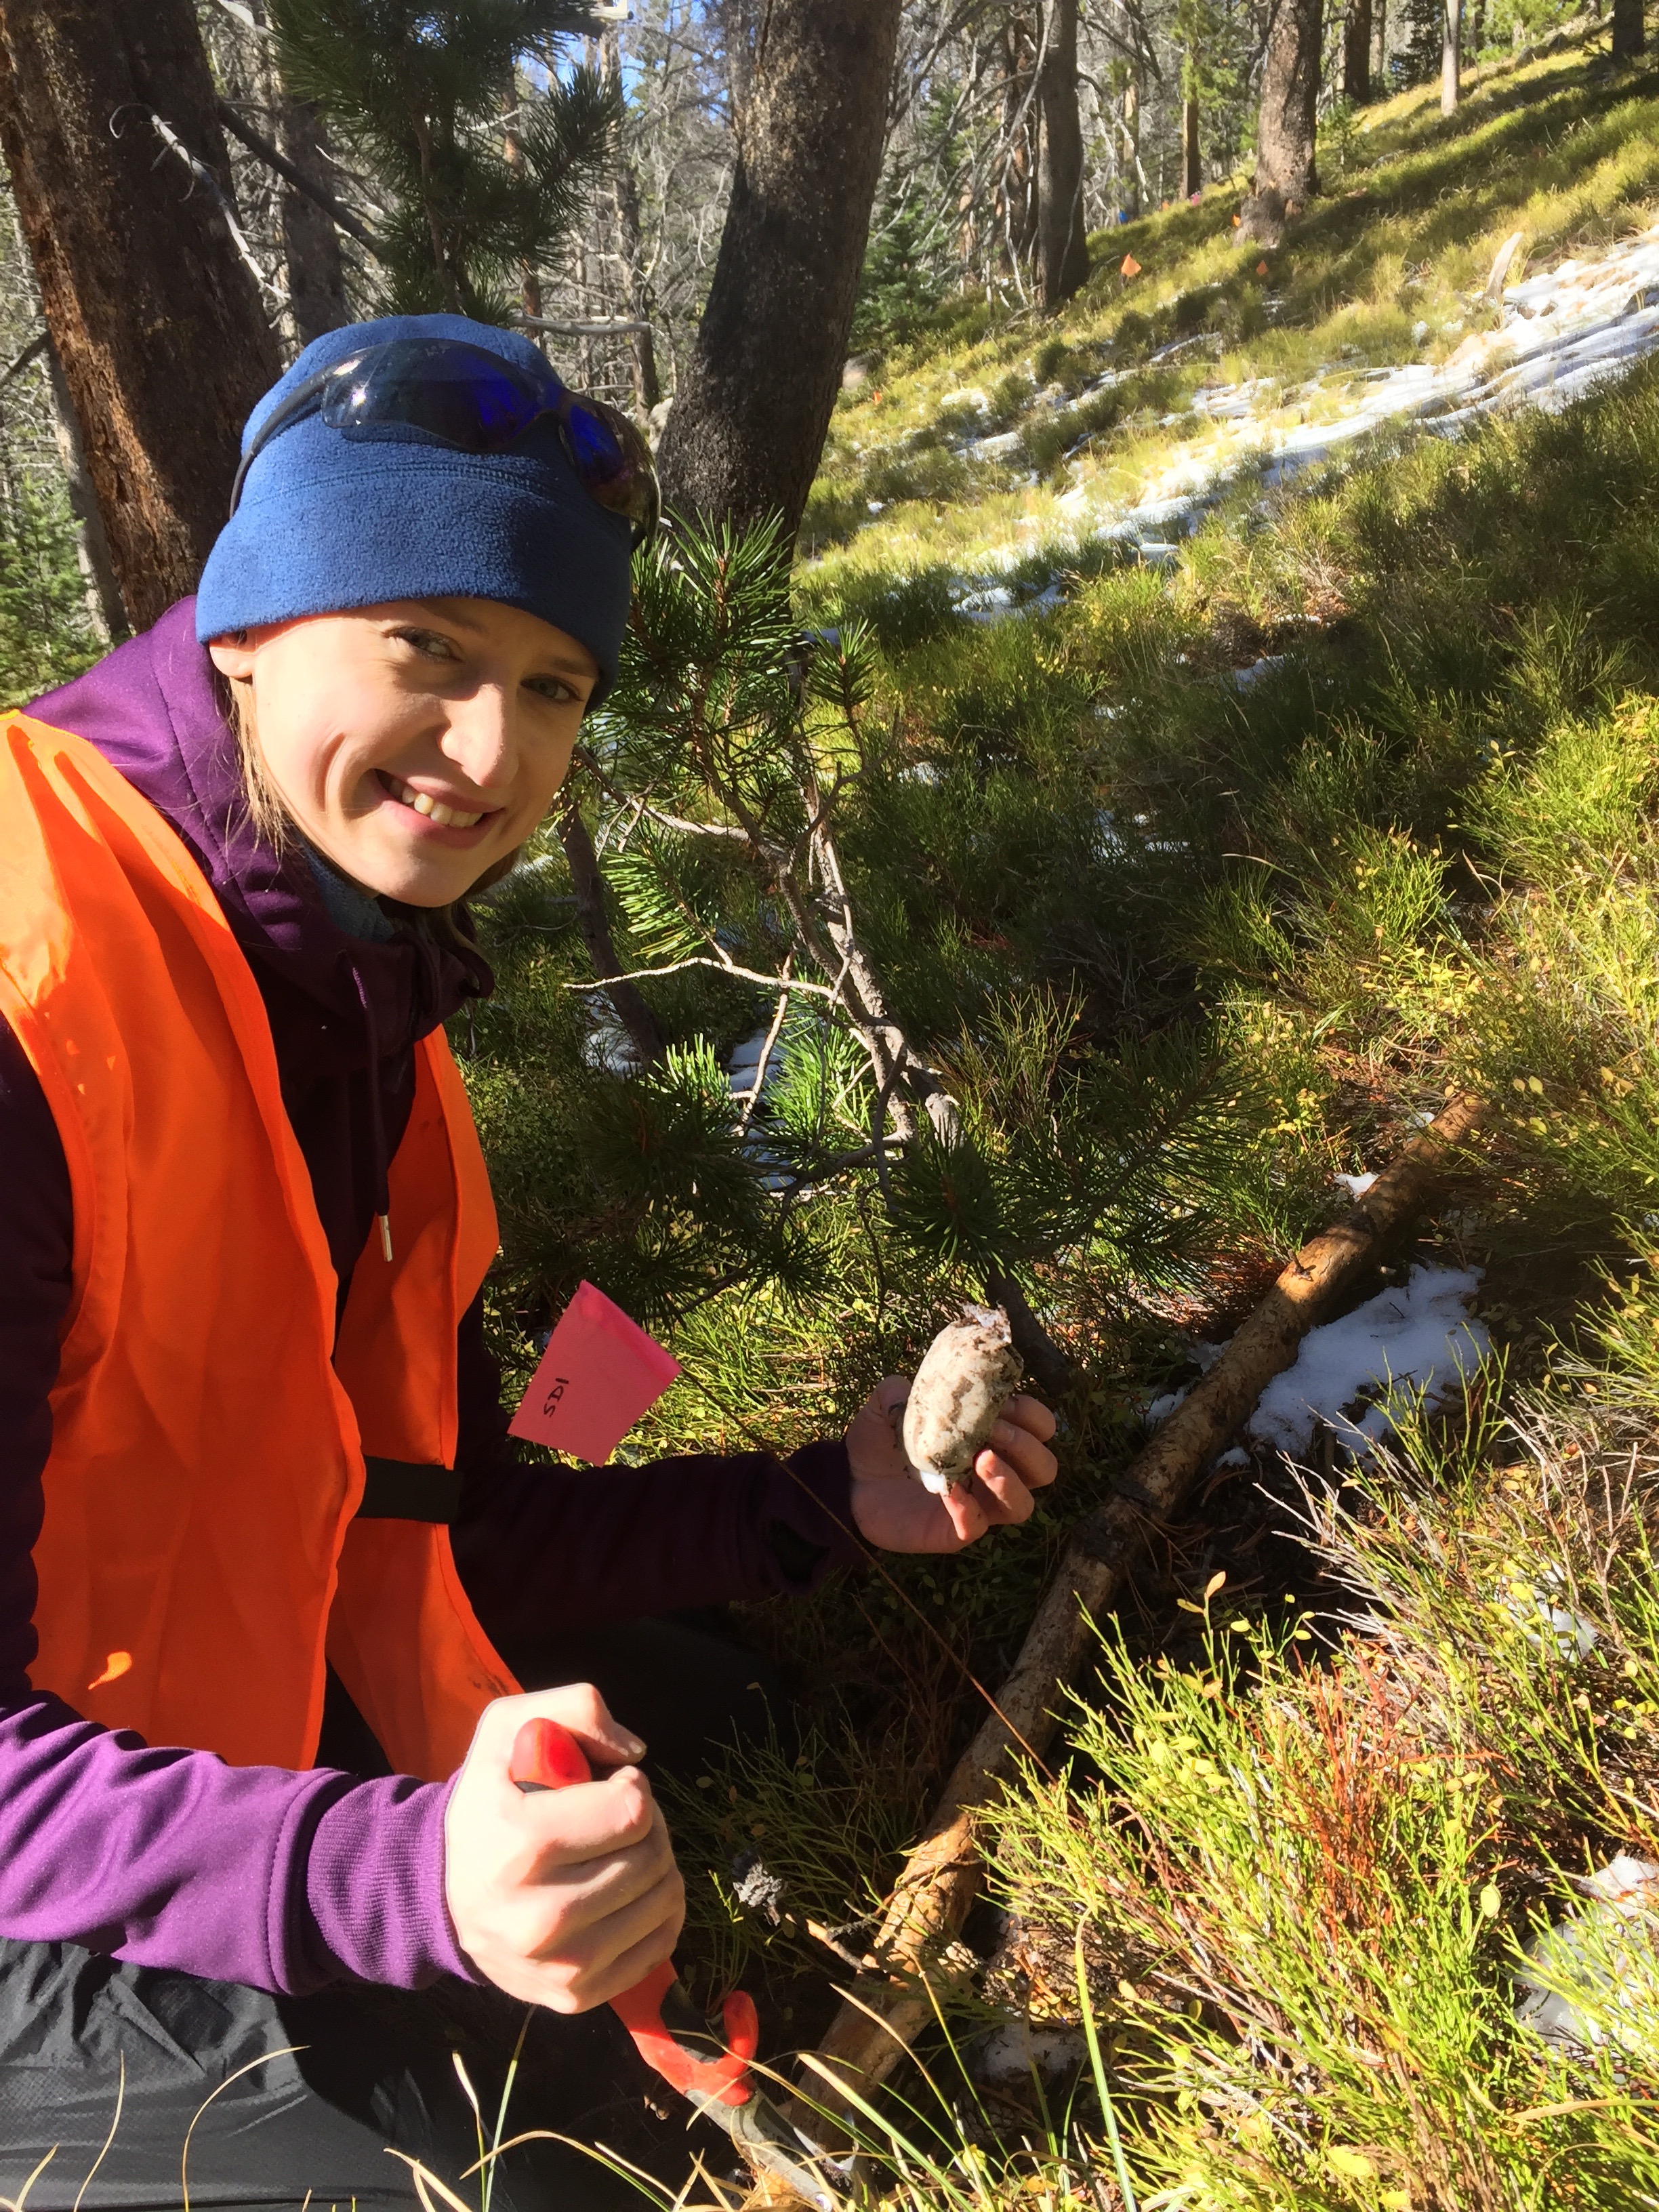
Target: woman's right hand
561,1896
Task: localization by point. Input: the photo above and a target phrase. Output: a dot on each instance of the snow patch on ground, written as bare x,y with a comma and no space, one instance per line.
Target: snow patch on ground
1589,1982
1563,333
1416,1339
1012,2054
1540,1617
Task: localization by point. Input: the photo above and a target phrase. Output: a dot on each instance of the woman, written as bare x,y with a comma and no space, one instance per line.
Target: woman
262,1544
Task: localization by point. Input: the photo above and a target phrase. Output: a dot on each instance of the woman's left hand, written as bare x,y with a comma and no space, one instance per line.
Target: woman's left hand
895,1513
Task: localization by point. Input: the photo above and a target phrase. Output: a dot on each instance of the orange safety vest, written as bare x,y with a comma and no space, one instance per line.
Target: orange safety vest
202,1548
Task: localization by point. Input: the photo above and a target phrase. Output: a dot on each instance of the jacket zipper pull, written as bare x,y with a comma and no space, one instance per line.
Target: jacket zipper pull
384,1220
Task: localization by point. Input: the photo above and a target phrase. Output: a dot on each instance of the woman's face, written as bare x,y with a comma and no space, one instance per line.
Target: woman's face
415,744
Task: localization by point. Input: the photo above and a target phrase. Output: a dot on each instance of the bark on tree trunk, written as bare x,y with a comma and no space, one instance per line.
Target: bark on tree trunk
530,278
1134,202
1357,52
1380,45
1285,180
1063,248
625,205
626,1000
1451,41
747,428
1192,167
109,617
156,321
1629,30
311,244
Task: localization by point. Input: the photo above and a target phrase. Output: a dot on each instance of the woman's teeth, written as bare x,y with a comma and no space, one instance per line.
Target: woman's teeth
446,817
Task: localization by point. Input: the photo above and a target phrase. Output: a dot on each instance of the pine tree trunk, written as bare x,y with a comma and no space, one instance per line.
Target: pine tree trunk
745,433
311,244
1284,179
108,616
1629,30
1357,52
1379,47
157,322
530,278
626,1002
1063,248
1451,58
625,202
1133,203
1192,166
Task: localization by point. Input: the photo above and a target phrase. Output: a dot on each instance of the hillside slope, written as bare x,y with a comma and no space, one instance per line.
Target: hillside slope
1041,444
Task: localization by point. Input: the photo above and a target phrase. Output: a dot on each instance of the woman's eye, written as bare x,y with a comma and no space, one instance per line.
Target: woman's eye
552,687
430,642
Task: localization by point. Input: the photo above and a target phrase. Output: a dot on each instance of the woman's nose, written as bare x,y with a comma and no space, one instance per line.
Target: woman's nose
480,740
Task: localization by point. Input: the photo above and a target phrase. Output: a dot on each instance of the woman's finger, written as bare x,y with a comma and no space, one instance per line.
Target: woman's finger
890,1393
609,1939
1005,1498
589,1893
1030,1459
632,1964
969,1510
1031,1413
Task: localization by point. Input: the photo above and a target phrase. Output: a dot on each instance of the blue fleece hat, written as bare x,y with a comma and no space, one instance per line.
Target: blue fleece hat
328,521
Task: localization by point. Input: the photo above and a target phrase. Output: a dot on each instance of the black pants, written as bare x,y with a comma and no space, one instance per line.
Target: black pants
374,2070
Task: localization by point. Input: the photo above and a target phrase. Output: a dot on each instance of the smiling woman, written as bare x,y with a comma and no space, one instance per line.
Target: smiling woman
270,1577
415,744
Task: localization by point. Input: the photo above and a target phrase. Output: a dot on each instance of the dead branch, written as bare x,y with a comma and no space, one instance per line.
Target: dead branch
610,326
881,2018
32,351
255,142
215,192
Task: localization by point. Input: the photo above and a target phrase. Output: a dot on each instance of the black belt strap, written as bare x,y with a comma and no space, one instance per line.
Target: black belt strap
408,1489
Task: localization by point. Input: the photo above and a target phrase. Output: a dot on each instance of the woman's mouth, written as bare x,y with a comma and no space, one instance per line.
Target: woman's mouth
423,803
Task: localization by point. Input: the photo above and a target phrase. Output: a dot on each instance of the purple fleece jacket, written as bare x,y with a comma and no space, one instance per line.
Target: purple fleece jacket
256,1875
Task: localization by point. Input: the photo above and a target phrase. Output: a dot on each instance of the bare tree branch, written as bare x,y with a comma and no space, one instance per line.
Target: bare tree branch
238,124
205,176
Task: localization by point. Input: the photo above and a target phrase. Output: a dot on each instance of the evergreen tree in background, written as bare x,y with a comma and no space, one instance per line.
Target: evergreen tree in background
423,92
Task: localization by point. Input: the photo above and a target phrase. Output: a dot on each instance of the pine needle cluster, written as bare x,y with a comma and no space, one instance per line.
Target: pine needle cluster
424,92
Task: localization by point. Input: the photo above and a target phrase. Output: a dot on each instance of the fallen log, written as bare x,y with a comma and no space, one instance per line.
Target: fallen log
878,2022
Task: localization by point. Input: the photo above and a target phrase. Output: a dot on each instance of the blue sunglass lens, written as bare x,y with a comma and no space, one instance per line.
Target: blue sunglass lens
466,397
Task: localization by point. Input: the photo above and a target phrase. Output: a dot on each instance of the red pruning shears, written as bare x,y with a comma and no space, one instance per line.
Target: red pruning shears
708,2068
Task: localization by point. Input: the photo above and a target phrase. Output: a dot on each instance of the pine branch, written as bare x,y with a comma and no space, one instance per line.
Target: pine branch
616,326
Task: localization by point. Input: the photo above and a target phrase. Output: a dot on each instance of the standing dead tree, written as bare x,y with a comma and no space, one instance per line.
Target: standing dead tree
1357,52
123,188
1451,54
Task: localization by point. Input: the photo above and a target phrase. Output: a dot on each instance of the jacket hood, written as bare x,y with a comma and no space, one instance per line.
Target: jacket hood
152,709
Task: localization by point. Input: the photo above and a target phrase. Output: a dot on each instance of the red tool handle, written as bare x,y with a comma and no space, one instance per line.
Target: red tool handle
668,2031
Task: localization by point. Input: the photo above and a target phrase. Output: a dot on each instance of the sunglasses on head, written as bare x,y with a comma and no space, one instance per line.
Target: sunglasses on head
466,397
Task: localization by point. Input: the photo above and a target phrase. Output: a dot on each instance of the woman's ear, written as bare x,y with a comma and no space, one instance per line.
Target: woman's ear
233,655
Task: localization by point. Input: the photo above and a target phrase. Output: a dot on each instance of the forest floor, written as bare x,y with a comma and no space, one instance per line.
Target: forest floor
1338,681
